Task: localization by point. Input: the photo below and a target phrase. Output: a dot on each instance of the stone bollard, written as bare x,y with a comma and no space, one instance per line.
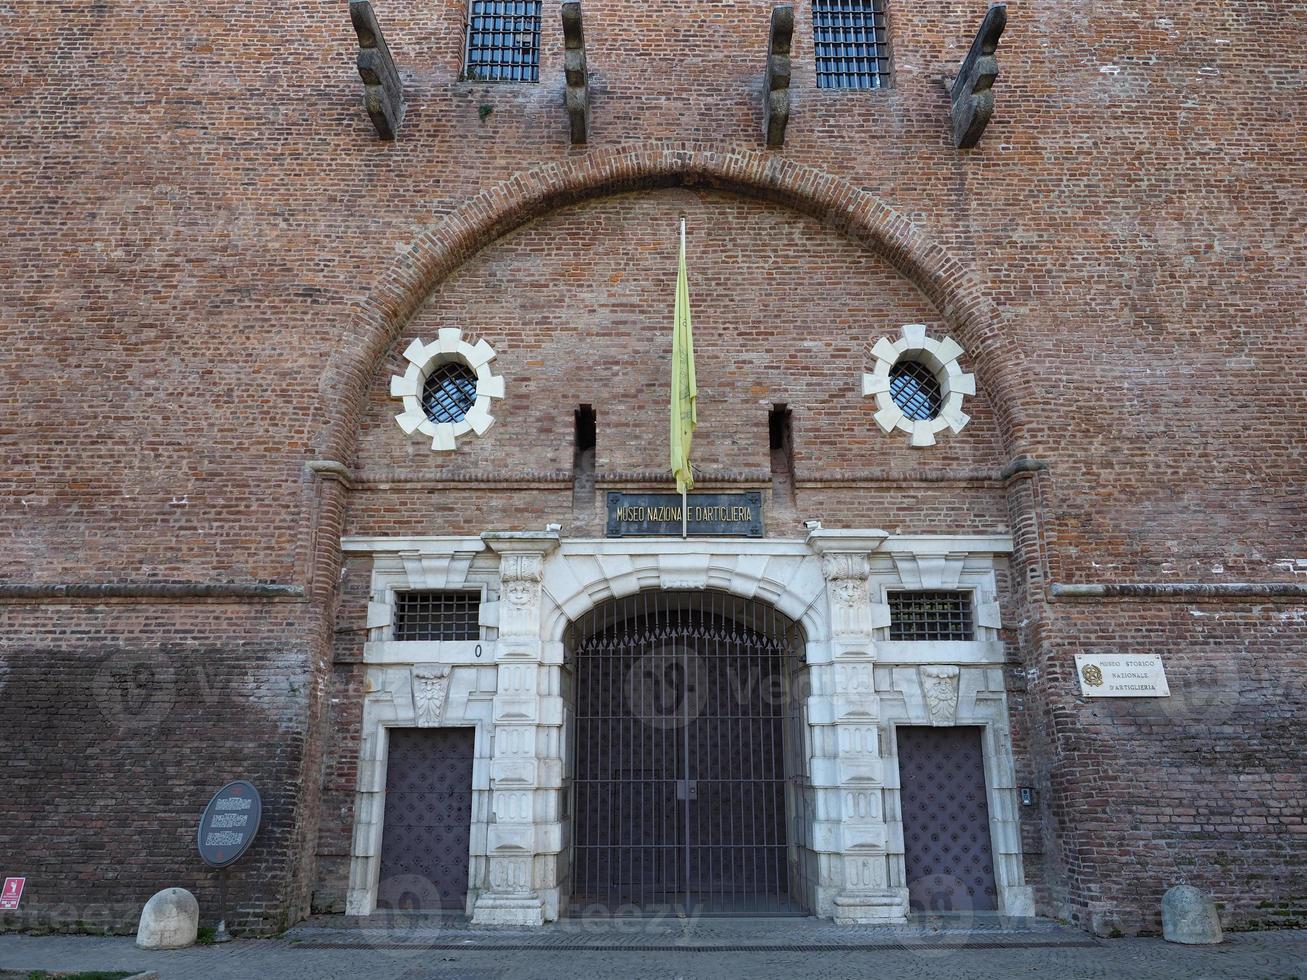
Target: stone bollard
170,920
1189,916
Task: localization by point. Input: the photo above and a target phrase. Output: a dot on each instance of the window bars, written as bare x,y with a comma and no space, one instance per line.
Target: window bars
849,43
503,41
443,615
449,393
931,616
915,390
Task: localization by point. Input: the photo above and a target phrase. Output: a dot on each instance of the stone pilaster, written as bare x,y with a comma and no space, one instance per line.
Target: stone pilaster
847,769
525,833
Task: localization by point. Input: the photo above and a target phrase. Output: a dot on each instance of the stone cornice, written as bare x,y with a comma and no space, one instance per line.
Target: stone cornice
423,543
521,542
840,541
1179,591
12,592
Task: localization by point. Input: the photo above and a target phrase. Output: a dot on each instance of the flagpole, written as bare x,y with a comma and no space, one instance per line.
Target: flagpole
685,503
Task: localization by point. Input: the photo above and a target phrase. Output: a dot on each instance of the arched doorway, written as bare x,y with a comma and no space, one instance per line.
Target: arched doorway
688,780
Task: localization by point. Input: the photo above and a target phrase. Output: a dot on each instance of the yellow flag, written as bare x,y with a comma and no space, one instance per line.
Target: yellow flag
685,391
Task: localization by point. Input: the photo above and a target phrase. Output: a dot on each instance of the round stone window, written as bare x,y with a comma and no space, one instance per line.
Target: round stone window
447,389
918,385
449,392
915,390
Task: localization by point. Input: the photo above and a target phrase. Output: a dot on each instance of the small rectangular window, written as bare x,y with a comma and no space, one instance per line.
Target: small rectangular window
443,615
930,616
503,41
849,43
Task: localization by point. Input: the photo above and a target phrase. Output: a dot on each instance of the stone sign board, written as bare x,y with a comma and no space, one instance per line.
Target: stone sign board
1122,675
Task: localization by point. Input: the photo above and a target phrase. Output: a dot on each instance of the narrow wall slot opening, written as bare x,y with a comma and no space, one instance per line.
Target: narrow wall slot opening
583,462
780,432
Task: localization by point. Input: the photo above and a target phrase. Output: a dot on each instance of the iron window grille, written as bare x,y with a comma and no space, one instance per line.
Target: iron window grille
931,616
850,44
438,615
503,41
915,390
449,392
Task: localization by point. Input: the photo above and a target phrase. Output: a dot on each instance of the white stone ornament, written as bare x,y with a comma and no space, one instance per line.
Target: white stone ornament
430,689
939,688
449,346
941,357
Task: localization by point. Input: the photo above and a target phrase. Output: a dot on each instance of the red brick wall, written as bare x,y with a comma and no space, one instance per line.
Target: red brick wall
577,307
205,286
1204,787
121,721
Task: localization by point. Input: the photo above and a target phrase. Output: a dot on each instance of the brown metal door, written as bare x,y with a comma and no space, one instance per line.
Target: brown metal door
425,837
946,842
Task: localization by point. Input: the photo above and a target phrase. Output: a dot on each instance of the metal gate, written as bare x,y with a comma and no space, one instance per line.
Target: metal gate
683,709
428,818
946,840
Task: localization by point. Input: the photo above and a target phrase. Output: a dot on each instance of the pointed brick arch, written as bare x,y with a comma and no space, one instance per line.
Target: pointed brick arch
950,286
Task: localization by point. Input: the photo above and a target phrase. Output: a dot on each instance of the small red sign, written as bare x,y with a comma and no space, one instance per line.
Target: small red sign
13,891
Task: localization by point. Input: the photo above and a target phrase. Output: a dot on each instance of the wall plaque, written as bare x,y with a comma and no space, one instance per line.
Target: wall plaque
1139,675
710,514
229,824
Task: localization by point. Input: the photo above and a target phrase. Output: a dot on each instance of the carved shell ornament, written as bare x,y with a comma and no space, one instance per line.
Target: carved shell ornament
918,385
448,388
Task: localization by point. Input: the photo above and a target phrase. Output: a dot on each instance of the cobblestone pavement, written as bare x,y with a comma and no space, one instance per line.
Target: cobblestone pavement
722,949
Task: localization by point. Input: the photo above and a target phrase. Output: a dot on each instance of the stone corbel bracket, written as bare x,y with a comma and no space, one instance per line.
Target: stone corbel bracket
577,97
776,91
383,92
941,356
449,345
972,92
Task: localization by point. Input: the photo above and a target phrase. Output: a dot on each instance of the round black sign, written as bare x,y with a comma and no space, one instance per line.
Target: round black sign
229,824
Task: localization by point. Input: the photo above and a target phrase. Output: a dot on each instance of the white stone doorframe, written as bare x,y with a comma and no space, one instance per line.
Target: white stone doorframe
958,695
862,684
419,685
390,706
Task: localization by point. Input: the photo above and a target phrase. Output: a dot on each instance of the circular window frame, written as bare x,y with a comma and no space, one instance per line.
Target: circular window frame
449,346
941,357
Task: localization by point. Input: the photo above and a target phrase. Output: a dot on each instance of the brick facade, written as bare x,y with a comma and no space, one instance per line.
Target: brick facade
215,267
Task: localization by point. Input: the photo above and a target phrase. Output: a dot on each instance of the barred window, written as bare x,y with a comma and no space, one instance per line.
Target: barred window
449,392
437,615
915,390
503,41
849,43
930,616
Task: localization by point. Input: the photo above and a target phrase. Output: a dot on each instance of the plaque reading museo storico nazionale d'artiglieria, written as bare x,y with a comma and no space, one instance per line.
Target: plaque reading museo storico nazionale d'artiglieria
710,514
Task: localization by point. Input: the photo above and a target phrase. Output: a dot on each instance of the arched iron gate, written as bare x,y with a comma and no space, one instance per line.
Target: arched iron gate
688,757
